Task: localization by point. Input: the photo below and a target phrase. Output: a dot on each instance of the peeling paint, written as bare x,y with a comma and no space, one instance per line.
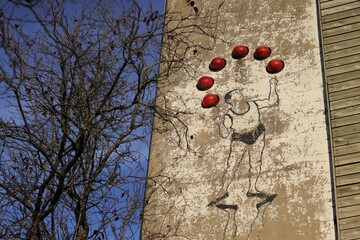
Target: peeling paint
189,158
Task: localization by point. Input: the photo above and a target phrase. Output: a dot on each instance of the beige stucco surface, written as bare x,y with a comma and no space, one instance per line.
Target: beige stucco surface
189,157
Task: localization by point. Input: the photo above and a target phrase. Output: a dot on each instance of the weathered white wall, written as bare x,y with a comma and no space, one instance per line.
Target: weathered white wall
188,161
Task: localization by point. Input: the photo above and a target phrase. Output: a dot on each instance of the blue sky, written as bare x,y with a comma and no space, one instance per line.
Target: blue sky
5,110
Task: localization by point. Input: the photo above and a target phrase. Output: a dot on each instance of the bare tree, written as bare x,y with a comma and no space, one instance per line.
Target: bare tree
78,82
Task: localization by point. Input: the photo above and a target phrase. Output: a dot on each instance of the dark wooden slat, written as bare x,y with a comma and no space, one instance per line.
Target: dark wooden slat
346,102
349,200
348,179
341,8
343,69
342,53
348,149
342,131
341,30
348,139
339,15
347,159
340,23
348,223
348,190
350,234
341,37
345,121
333,88
343,77
347,93
351,211
341,46
329,4
347,169
344,112
342,61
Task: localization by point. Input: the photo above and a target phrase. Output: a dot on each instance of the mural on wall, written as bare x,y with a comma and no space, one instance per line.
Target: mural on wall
242,125
239,148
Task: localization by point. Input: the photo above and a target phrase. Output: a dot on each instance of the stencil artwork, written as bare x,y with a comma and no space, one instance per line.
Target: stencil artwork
242,125
240,146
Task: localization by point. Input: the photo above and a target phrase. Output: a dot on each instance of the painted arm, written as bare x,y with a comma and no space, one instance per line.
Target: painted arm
225,123
273,98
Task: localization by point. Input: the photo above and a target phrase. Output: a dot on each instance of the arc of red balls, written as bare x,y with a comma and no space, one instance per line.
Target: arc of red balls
217,64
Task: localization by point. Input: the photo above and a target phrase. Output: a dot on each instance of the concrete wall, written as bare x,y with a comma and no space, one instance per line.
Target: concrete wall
206,182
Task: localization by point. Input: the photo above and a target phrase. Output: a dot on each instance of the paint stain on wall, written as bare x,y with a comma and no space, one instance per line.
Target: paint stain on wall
255,165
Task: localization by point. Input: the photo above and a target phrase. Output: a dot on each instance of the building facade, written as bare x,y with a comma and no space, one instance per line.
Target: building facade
255,132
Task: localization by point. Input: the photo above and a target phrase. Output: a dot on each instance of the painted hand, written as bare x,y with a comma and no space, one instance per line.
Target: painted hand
273,81
219,120
227,121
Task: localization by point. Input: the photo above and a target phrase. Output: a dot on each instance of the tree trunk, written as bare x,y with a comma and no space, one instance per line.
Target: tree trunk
82,226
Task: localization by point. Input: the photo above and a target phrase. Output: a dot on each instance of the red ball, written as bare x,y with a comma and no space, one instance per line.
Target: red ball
262,52
275,66
239,52
210,100
205,83
217,64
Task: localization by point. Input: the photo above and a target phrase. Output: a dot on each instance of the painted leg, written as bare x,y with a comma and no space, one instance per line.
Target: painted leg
255,163
230,229
231,167
256,152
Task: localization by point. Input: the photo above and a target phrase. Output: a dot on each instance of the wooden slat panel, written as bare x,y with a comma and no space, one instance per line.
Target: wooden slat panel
341,8
346,102
342,53
349,201
345,121
351,92
347,169
341,45
343,77
340,23
344,112
341,30
341,37
344,85
347,223
342,131
340,15
348,139
329,4
351,211
347,159
348,179
343,61
348,190
350,234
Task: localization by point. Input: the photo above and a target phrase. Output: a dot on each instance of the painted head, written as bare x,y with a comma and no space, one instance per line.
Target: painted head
233,96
